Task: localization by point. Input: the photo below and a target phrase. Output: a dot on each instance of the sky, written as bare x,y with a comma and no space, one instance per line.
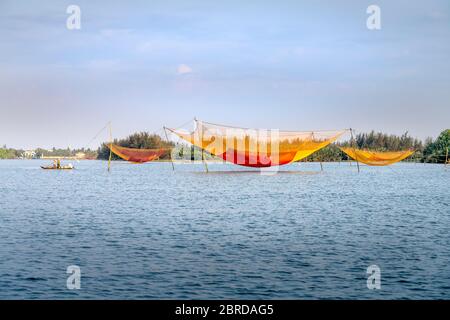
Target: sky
290,65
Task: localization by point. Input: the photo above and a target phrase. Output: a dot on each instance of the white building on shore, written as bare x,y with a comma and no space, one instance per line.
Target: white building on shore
28,154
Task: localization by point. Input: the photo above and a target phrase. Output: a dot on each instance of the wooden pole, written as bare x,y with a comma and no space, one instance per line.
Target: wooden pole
167,138
204,161
446,157
200,139
356,156
320,161
110,147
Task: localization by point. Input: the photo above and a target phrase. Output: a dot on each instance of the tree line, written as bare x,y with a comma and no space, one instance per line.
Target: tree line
10,153
429,151
90,154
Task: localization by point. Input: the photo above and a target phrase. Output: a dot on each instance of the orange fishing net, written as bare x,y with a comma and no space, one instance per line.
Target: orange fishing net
257,148
377,158
136,155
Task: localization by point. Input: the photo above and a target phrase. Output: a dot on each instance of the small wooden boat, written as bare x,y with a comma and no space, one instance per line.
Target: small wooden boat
61,168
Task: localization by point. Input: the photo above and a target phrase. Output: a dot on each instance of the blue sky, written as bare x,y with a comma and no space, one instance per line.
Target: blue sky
294,65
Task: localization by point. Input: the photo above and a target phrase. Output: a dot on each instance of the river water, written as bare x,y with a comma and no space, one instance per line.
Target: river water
144,231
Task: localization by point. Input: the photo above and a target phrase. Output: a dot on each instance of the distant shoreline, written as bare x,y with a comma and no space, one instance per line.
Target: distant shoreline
210,161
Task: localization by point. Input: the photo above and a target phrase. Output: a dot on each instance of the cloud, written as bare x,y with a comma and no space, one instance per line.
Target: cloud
184,69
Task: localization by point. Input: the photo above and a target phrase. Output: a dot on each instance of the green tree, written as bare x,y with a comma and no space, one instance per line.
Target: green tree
436,151
6,153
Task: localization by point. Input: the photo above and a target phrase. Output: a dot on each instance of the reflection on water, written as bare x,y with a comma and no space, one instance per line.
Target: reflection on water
144,231
245,172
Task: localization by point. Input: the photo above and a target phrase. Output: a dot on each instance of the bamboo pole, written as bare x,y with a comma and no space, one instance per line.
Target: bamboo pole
203,155
446,157
110,147
320,161
353,143
204,161
167,138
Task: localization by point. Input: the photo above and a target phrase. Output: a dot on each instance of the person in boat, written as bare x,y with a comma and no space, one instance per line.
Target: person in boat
55,164
58,164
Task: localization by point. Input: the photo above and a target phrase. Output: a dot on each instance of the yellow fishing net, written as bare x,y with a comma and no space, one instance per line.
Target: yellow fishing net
377,158
257,147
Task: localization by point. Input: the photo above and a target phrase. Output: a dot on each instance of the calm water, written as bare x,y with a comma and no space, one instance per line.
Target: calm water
143,231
